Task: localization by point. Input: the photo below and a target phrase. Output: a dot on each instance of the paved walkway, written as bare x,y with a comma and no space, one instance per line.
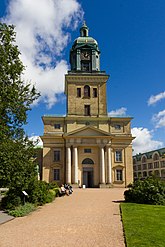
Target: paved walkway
5,217
89,217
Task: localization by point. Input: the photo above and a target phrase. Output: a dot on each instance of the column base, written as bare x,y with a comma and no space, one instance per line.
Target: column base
103,186
74,186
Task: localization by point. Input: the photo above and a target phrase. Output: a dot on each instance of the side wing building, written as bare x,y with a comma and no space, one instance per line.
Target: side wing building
87,147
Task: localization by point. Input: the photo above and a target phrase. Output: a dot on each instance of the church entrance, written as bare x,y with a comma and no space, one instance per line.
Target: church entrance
88,177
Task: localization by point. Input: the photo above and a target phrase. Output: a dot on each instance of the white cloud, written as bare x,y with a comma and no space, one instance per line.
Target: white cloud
144,141
41,27
119,112
155,98
36,140
159,119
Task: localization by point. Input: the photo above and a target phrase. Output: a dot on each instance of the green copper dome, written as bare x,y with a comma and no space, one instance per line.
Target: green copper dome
85,54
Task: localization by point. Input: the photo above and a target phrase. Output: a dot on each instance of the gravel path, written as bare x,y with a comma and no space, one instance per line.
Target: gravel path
89,217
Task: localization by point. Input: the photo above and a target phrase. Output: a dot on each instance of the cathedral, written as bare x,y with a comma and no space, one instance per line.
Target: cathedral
86,147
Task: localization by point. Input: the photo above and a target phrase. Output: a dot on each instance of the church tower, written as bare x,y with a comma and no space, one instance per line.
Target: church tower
86,147
85,84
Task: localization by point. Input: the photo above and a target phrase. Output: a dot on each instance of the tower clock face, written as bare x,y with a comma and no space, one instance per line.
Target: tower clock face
85,55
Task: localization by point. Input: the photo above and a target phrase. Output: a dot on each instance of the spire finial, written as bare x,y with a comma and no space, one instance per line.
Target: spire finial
84,30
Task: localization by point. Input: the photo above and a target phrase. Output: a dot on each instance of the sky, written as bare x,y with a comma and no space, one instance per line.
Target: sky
131,38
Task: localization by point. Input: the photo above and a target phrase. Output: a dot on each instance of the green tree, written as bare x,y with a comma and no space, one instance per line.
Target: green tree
16,151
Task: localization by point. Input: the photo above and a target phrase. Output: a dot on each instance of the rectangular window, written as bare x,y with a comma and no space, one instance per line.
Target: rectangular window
156,164
94,92
56,174
150,173
118,156
139,167
57,126
57,155
87,110
87,150
144,166
145,174
78,92
119,175
162,163
150,165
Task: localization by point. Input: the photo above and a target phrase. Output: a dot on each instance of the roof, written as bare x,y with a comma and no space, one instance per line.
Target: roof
149,154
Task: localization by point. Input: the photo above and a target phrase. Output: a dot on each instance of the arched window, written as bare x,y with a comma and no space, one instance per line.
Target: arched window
144,159
156,157
87,161
86,91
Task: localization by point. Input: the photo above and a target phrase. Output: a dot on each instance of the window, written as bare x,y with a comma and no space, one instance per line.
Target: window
85,66
87,110
134,161
78,92
144,159
118,156
157,174
150,165
57,126
119,175
139,167
139,174
117,127
156,157
87,161
144,166
87,150
86,91
162,163
56,174
94,92
163,173
156,164
134,167
145,174
57,155
150,173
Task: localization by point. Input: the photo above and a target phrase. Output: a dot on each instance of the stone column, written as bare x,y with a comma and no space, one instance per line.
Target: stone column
68,165
109,166
75,162
102,166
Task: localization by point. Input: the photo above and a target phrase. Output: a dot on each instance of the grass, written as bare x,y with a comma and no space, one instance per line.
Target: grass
144,225
22,210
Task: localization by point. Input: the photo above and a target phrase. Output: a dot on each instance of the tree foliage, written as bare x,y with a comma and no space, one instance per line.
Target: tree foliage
16,96
16,151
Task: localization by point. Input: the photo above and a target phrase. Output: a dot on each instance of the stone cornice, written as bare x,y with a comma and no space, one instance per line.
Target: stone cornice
86,78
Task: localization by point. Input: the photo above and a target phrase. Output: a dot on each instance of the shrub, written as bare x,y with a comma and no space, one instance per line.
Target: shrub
148,191
22,210
41,193
11,200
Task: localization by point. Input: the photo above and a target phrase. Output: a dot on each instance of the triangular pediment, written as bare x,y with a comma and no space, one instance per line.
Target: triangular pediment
88,131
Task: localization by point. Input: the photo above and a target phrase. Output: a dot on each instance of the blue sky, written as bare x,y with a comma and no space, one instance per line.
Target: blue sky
131,38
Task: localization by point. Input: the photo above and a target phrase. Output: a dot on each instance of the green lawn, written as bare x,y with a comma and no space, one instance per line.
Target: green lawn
144,225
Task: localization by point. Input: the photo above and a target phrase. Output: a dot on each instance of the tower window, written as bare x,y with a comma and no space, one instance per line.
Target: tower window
57,155
85,66
87,110
86,91
94,92
57,126
79,92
